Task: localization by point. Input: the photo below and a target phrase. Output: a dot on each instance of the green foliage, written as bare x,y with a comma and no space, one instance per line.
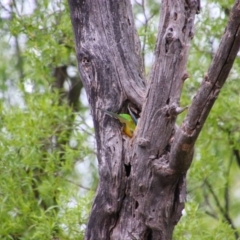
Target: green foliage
34,182
195,225
212,181
42,140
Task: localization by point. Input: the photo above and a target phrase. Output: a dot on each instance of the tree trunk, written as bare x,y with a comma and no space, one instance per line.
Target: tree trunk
142,185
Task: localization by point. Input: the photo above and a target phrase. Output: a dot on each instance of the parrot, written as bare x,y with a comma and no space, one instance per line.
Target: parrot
129,122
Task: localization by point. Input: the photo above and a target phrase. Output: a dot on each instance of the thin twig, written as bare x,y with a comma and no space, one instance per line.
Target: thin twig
226,190
70,181
78,184
224,213
4,8
213,215
214,197
146,25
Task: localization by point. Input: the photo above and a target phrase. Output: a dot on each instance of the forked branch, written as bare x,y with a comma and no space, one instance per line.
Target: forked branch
203,101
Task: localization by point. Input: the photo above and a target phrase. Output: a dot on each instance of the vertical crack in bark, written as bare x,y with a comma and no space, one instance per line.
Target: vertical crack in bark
127,169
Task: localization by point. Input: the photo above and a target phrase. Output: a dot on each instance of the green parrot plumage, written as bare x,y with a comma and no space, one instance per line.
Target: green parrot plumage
129,122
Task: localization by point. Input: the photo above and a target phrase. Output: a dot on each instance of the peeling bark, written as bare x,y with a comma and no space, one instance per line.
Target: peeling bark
142,185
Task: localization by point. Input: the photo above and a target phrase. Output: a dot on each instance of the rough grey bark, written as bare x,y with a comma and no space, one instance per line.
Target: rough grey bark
141,190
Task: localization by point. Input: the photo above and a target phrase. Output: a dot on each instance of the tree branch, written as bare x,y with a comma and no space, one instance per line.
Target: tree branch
110,66
203,101
223,211
155,198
